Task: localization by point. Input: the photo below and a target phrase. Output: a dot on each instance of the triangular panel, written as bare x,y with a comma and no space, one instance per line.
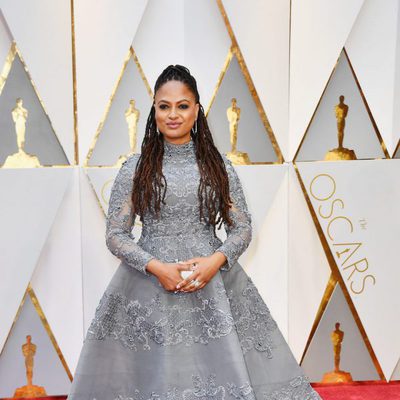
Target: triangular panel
354,356
60,261
265,48
48,369
122,118
319,31
23,121
252,135
345,198
43,32
336,115
26,222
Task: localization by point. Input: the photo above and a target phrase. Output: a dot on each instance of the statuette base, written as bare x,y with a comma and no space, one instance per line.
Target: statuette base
30,391
340,153
337,376
21,159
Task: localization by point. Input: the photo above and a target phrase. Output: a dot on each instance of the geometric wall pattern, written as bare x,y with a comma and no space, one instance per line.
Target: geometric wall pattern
325,243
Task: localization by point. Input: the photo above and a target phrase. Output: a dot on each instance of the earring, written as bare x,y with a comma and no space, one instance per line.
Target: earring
195,129
158,132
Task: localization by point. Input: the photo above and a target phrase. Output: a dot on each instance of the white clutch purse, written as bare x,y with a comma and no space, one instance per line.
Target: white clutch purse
184,274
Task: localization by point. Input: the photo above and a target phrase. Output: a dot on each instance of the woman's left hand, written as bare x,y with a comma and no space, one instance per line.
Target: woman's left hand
203,271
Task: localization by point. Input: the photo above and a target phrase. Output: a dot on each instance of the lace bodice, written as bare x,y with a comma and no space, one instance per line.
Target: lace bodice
178,234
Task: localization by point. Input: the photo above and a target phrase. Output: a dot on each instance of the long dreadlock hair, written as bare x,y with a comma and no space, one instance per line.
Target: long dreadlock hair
149,183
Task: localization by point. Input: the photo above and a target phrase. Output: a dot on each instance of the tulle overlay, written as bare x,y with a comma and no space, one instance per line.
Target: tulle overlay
219,342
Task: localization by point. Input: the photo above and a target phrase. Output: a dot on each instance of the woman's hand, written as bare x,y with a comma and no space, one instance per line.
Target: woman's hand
205,269
168,274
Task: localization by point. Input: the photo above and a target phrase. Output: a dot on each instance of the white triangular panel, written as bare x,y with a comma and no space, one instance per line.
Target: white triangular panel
309,269
104,33
265,49
5,39
185,22
27,210
47,57
98,263
396,100
159,17
265,189
101,180
57,280
267,263
260,185
364,242
205,55
372,46
319,31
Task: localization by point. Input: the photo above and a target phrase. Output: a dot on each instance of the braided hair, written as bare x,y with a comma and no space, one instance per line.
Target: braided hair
149,183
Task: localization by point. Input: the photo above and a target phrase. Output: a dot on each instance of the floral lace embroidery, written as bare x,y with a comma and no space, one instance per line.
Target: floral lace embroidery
133,323
244,392
179,233
200,390
253,320
204,390
130,322
120,219
298,388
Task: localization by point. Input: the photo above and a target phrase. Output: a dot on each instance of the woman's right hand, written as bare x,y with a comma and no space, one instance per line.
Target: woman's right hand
168,274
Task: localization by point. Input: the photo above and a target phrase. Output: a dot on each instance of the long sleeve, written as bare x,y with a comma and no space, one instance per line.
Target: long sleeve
239,235
120,220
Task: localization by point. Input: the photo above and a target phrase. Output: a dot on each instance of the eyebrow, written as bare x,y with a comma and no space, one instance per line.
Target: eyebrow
166,101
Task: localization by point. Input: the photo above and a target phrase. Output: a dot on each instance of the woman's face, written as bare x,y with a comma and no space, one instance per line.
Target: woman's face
176,111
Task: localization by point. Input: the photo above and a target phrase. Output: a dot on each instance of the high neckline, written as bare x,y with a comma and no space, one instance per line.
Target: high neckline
172,149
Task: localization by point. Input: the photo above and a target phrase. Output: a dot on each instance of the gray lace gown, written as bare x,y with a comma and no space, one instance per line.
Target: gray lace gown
219,342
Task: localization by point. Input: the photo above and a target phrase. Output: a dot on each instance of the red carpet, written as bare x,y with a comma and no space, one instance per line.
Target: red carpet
373,390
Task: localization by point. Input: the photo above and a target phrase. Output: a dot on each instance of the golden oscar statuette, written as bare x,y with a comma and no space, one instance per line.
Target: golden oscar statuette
233,115
340,153
337,375
29,390
132,115
20,159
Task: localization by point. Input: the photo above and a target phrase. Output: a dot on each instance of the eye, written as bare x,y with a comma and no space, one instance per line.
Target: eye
184,106
163,106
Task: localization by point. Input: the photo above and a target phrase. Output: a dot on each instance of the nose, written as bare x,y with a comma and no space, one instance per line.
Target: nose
173,114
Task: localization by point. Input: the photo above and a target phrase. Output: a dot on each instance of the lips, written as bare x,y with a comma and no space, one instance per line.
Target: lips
174,125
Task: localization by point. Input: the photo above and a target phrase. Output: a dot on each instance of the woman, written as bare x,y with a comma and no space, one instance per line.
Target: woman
155,334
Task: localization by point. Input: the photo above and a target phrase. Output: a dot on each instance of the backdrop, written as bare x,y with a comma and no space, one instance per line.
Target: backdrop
326,233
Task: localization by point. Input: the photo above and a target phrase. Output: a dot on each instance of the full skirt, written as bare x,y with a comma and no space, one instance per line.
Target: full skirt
219,342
